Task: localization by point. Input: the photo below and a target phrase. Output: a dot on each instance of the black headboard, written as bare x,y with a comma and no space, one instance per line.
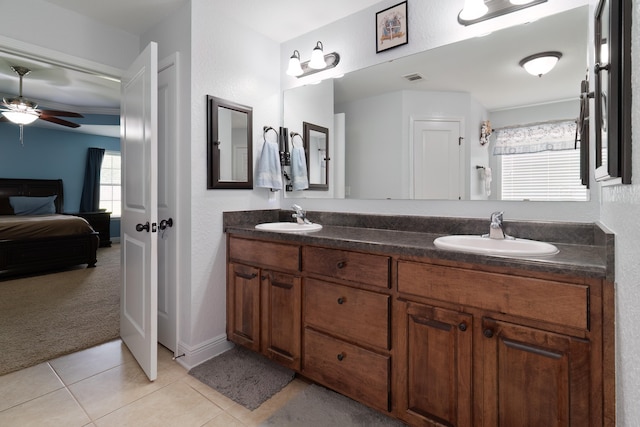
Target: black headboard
32,187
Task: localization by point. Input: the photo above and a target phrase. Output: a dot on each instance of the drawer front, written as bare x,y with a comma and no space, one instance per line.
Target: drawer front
560,303
268,254
362,316
358,267
360,374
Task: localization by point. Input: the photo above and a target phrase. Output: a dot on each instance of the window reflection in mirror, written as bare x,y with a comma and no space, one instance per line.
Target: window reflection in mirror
317,149
229,137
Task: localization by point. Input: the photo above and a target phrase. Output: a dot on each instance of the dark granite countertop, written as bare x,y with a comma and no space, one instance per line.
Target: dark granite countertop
586,250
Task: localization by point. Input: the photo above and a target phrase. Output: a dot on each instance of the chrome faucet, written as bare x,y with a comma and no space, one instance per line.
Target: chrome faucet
496,231
300,215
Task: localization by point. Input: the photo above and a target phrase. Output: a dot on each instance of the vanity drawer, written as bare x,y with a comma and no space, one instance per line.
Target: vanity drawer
355,314
265,254
358,267
358,373
564,304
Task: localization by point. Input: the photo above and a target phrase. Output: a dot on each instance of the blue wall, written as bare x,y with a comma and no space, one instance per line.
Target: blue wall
51,154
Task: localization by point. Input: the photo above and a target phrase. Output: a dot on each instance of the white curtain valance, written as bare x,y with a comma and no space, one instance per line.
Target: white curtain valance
551,136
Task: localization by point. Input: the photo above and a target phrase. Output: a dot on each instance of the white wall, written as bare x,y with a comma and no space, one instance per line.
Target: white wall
620,212
49,26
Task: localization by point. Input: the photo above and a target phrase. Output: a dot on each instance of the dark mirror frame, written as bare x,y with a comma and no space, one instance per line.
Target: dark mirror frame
213,143
613,91
306,129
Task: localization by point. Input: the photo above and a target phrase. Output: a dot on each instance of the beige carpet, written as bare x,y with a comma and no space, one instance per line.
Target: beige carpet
47,316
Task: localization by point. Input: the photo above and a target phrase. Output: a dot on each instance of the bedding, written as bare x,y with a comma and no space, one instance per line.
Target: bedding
34,243
37,226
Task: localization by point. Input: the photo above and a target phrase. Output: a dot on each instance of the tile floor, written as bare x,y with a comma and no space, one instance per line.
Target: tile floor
104,386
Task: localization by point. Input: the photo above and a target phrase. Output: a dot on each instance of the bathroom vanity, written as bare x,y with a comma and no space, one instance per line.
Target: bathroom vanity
370,308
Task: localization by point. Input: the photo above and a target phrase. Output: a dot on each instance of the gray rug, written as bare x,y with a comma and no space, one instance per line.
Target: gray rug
318,407
243,376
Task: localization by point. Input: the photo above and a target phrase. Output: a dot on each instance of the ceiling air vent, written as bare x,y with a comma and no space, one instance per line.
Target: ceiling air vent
413,77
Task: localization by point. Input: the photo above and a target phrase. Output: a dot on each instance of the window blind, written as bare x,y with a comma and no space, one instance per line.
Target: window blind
543,176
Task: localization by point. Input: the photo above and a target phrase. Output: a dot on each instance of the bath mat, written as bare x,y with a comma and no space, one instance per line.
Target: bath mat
243,376
316,406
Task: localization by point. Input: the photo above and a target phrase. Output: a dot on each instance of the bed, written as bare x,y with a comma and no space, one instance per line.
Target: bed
35,243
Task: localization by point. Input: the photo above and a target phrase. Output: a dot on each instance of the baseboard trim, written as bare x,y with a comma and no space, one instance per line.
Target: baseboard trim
195,355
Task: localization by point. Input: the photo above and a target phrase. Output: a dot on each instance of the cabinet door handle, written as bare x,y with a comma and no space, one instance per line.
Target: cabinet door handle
488,333
247,276
341,264
462,326
341,357
340,300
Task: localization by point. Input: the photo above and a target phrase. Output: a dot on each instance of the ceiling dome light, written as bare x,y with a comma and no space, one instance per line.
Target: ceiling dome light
473,9
540,63
294,69
317,58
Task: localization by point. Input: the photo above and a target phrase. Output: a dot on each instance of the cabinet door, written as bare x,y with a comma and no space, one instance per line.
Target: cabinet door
434,365
533,377
243,305
281,318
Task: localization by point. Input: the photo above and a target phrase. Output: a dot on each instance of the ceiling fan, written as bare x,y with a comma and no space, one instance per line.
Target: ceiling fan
22,111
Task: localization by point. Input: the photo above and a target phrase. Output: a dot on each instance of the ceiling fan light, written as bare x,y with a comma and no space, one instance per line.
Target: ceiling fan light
294,69
317,58
473,9
21,117
540,63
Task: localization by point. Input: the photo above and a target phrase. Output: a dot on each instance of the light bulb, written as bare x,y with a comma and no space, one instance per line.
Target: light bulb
294,68
317,58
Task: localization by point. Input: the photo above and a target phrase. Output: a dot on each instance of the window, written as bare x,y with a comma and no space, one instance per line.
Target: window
545,175
110,183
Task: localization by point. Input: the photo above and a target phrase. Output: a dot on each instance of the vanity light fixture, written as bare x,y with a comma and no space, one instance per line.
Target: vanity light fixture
473,9
319,62
480,10
540,63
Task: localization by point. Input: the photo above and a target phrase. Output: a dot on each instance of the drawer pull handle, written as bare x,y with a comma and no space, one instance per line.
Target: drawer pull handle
246,276
340,300
488,333
341,357
341,264
462,326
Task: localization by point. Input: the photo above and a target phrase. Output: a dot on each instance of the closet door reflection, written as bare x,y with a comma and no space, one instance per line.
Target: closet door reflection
317,140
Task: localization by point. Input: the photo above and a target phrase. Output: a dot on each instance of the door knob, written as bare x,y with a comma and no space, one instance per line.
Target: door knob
166,223
140,227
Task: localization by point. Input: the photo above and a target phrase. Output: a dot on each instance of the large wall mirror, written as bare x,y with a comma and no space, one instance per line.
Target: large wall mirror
229,147
461,85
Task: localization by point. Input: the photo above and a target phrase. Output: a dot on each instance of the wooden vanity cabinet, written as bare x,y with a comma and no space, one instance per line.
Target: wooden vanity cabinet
264,298
346,333
490,349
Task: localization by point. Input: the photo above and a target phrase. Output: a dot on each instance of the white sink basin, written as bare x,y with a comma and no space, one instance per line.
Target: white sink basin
484,245
288,227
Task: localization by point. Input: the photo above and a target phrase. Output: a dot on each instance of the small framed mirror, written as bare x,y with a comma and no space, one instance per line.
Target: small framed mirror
613,90
316,139
229,145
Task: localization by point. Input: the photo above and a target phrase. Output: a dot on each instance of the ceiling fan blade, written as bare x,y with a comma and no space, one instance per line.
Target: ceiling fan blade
50,113
59,121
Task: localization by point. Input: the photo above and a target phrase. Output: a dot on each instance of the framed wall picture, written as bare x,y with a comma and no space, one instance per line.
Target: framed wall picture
392,28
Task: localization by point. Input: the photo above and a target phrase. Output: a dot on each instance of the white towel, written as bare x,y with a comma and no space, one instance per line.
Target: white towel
269,174
299,167
487,180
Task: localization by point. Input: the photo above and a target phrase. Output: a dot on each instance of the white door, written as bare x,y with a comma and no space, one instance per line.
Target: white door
436,159
167,201
139,145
